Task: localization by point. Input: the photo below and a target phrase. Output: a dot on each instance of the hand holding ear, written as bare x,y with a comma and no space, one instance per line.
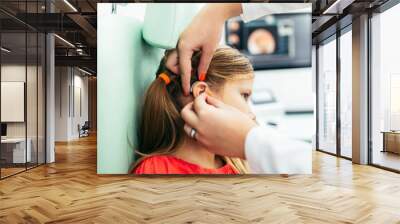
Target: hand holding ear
203,33
222,129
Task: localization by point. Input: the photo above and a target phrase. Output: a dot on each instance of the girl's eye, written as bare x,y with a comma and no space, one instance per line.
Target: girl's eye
246,96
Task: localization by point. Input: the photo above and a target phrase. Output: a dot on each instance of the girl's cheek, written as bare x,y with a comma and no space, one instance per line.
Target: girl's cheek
252,116
244,106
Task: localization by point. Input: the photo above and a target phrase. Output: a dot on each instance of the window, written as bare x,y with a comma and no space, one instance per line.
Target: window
385,89
22,108
346,93
327,96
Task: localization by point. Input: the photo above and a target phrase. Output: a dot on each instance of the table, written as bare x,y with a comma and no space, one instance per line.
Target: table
391,141
13,150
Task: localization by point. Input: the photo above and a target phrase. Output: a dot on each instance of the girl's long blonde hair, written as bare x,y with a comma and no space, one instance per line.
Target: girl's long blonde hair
161,126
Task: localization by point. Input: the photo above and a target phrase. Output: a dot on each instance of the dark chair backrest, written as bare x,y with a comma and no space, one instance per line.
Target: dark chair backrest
86,125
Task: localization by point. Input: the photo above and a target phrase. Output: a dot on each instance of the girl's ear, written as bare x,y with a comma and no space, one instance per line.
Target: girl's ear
200,87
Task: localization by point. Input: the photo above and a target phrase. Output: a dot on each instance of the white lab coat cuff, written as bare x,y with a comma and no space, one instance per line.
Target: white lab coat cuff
270,152
254,146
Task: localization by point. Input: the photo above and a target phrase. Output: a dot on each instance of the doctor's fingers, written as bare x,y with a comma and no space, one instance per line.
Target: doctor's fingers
189,116
173,63
185,53
199,104
197,136
206,56
204,104
215,102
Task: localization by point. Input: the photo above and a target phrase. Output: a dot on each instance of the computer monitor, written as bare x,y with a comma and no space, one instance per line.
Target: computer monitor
3,129
275,41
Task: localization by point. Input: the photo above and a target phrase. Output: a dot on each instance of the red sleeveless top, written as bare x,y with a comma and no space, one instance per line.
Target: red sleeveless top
167,164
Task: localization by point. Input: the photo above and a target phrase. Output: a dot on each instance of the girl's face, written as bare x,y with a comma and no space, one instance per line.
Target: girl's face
237,93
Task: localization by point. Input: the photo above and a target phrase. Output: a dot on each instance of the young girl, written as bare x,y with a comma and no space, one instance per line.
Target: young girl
163,145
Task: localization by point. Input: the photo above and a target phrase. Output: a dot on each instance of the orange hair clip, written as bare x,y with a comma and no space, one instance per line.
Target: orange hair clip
165,77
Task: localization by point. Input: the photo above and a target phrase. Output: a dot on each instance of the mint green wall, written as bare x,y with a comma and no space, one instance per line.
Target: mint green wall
165,21
126,64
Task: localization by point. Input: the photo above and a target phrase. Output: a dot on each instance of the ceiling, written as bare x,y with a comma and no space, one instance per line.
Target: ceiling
332,15
76,25
76,22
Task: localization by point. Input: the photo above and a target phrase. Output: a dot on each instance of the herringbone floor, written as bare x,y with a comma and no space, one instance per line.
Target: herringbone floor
69,191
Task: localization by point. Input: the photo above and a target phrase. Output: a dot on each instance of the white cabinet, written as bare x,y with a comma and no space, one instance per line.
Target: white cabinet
19,155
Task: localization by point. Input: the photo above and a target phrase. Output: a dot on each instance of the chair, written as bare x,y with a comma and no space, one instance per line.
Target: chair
84,129
129,52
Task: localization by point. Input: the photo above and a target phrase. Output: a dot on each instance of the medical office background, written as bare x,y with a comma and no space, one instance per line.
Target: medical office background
312,104
278,46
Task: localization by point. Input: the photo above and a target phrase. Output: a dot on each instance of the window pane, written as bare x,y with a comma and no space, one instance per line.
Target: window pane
327,96
346,93
14,153
386,89
31,99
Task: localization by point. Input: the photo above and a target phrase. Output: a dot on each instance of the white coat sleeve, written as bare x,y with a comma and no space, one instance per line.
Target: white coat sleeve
251,11
269,152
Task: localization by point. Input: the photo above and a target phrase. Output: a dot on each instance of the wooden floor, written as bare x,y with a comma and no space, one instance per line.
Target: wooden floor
70,191
5,172
387,159
9,171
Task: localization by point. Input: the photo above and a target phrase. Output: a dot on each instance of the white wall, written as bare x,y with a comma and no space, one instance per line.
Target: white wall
68,83
292,87
13,72
80,83
61,103
294,93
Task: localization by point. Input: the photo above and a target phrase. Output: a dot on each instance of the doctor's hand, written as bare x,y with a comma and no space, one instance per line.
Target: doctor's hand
222,129
204,34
